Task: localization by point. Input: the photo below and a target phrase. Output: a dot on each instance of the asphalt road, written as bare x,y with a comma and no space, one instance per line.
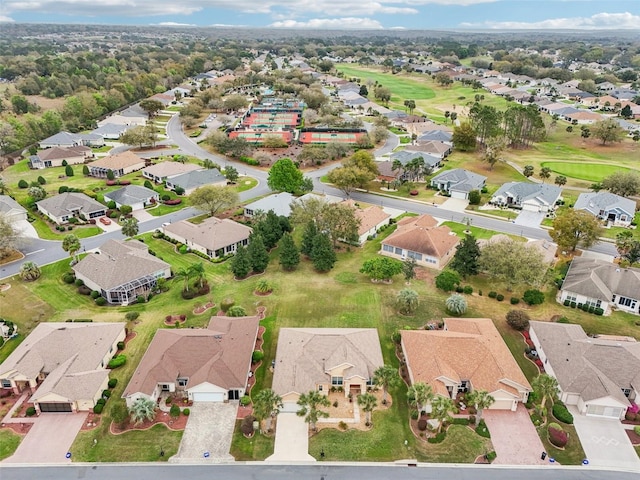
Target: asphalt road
299,472
43,252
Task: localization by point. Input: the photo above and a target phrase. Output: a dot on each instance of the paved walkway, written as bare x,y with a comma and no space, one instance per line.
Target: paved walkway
209,429
604,441
49,439
292,440
514,437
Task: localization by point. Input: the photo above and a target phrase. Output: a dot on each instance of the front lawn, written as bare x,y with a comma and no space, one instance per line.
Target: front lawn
572,454
252,449
480,233
9,442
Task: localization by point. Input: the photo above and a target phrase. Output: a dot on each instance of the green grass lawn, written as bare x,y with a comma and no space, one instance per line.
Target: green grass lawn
9,442
479,233
593,172
252,449
572,454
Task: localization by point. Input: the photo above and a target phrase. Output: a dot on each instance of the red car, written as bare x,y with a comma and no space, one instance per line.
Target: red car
105,220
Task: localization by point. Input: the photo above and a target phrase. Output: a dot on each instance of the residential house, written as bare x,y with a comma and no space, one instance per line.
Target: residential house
120,164
583,117
134,196
214,237
422,239
601,284
66,139
12,210
189,181
60,208
371,218
467,354
438,149
57,156
111,131
612,208
458,182
121,271
159,172
533,197
442,136
319,359
131,116
599,374
63,365
203,365
432,162
280,203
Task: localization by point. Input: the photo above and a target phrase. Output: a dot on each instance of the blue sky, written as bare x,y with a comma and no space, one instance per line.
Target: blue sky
336,14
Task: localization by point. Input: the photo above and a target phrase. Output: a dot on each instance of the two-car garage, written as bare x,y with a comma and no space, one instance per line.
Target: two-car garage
208,397
605,411
55,407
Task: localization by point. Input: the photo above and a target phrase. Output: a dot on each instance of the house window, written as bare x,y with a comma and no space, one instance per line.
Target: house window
337,380
370,382
571,297
7,383
387,248
182,382
319,388
626,391
593,303
417,256
164,387
398,251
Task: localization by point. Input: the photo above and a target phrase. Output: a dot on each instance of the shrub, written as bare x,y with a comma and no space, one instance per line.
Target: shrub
236,311
101,401
120,345
175,201
447,280
514,300
460,421
186,412
573,304
246,427
518,320
101,301
439,438
148,184
636,429
482,430
257,356
566,303
174,411
245,400
130,316
492,294
63,189
68,278
23,184
598,311
41,180
226,304
117,361
422,424
343,425
84,290
95,294
459,289
413,193
456,304
141,299
179,190
113,382
415,414
533,297
499,297
563,320
468,290
97,409
31,411
79,282
557,436
106,393
183,249
561,413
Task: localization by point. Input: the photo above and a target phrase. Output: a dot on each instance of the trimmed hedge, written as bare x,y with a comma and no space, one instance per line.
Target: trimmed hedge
561,413
439,438
422,424
557,436
113,382
98,408
174,411
117,361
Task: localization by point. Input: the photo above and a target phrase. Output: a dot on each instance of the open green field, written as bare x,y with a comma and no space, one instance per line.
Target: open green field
593,172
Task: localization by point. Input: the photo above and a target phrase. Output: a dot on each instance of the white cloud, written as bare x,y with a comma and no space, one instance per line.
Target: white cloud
603,20
175,24
331,23
4,19
293,8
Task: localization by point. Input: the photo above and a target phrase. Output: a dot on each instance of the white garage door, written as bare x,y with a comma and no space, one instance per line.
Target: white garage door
290,407
603,411
503,404
208,397
460,195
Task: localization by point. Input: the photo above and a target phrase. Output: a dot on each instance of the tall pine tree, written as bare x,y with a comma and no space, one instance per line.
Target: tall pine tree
258,255
322,253
465,260
241,265
289,254
310,232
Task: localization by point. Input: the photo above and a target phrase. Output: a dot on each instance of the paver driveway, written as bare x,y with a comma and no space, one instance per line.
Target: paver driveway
209,429
292,439
514,437
604,441
49,439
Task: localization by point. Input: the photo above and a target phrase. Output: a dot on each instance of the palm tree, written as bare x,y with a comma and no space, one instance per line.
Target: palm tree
310,404
386,376
419,394
29,271
481,400
367,402
397,166
546,386
197,270
143,409
184,273
456,304
266,405
130,227
407,301
441,409
4,188
71,244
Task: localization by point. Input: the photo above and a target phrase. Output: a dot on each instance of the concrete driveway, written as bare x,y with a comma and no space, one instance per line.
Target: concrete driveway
514,437
604,442
209,429
292,440
529,219
25,229
456,204
49,439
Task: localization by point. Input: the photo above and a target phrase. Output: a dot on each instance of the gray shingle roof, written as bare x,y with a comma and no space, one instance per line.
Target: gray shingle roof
119,262
197,178
460,180
601,280
68,202
130,195
592,367
280,203
594,202
524,191
7,204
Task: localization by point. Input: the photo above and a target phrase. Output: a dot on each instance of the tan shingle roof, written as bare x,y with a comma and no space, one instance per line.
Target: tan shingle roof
55,153
219,354
469,349
212,234
119,262
305,355
369,217
118,161
419,234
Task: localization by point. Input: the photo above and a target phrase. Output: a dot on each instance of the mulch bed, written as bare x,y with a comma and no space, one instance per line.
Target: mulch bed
634,437
19,428
174,320
93,421
203,308
262,294
161,417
